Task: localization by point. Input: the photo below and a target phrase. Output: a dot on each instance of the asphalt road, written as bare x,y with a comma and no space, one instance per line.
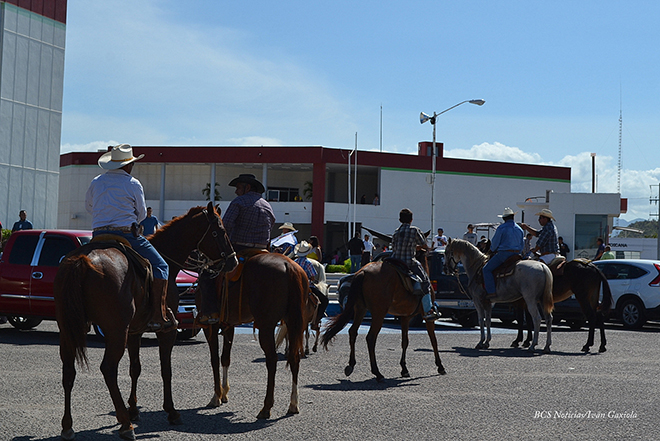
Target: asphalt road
496,394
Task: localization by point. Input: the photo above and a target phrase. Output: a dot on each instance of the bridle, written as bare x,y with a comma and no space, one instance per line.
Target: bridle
198,261
450,267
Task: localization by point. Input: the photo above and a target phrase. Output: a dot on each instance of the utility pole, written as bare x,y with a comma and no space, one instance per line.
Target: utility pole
656,200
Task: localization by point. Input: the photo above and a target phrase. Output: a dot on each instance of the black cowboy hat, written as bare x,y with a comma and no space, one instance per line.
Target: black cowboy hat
248,179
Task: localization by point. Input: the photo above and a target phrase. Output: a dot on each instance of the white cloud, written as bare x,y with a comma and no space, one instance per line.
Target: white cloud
634,184
94,146
256,141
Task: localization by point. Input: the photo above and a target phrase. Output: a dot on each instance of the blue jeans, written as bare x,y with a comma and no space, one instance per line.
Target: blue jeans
355,263
144,249
495,261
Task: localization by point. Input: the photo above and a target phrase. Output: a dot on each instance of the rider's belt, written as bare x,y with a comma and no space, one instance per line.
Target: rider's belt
549,252
109,228
250,245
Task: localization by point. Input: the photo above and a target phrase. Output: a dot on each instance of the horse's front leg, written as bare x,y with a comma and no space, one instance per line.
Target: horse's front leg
211,334
601,324
488,313
480,318
405,325
536,319
267,343
519,320
548,327
227,341
165,345
352,337
134,341
430,329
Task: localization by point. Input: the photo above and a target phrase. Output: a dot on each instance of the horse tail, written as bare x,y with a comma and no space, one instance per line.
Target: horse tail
71,316
606,305
340,321
548,304
298,288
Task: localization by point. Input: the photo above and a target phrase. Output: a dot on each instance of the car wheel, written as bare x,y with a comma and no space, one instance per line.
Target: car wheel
186,334
468,320
631,314
23,323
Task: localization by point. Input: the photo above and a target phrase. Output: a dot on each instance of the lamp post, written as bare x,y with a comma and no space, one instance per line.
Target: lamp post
423,117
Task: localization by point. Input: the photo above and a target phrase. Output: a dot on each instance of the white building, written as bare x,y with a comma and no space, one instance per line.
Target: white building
467,191
32,38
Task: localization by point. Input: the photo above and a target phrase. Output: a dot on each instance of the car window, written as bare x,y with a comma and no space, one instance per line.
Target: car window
55,247
23,249
84,240
618,271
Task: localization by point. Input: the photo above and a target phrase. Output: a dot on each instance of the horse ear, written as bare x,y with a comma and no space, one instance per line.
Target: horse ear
218,209
448,241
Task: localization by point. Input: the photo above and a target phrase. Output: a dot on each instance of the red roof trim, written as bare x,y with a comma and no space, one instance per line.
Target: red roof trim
53,9
316,154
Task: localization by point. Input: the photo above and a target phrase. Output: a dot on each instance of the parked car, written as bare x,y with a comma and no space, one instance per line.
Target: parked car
635,286
28,266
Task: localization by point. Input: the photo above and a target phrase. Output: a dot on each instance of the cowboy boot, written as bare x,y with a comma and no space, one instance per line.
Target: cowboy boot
162,318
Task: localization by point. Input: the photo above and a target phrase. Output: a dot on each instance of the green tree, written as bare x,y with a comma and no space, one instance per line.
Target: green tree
649,227
207,192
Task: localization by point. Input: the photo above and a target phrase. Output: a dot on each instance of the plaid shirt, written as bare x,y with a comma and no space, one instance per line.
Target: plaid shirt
249,219
547,241
404,243
306,265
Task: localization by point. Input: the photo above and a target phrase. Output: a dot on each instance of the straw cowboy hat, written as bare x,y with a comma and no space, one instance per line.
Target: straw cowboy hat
287,226
119,156
302,249
507,212
247,178
546,213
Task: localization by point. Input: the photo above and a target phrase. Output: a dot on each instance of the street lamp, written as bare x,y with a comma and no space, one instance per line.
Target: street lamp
423,117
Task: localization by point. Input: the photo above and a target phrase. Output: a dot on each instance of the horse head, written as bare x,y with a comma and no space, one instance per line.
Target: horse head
214,252
451,262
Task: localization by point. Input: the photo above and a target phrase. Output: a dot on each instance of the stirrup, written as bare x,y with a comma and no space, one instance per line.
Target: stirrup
158,326
432,314
213,319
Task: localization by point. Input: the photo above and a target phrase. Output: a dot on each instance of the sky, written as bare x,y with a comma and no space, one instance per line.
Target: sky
556,77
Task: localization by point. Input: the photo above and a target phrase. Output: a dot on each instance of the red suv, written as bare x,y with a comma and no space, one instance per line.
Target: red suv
28,266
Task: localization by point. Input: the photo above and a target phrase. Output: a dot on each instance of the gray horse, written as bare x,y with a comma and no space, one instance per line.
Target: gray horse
531,280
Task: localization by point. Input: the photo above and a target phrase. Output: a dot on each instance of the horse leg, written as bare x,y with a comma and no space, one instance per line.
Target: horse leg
430,329
405,323
480,318
316,340
488,310
530,329
601,323
211,334
372,336
548,332
165,345
134,341
267,343
519,313
536,319
294,366
114,350
68,377
352,336
307,340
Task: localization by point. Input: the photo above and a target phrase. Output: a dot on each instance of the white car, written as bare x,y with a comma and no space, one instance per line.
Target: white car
635,285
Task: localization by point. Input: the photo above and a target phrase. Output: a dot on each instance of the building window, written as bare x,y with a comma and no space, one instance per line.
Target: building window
282,194
588,228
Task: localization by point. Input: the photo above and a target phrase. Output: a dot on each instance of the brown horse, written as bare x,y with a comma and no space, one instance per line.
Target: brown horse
377,287
272,288
97,284
584,280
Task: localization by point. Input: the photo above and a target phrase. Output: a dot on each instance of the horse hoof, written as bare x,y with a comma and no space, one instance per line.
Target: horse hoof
380,378
264,414
175,420
215,402
442,371
128,434
68,434
293,410
134,416
348,370
526,344
515,344
547,350
602,349
405,374
585,348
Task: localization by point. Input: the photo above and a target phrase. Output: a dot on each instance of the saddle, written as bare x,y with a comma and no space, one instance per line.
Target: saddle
507,267
407,277
243,256
557,266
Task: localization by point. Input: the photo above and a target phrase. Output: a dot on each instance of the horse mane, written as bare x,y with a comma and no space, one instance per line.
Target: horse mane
192,212
466,248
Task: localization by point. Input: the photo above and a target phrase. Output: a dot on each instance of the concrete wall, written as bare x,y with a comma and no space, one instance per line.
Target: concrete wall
31,89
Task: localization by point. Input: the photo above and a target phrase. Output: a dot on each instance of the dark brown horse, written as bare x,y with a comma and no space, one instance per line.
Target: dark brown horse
584,280
97,284
272,288
377,287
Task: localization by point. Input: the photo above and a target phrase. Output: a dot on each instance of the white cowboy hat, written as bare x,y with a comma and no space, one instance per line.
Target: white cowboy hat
119,156
545,213
288,226
302,249
507,212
